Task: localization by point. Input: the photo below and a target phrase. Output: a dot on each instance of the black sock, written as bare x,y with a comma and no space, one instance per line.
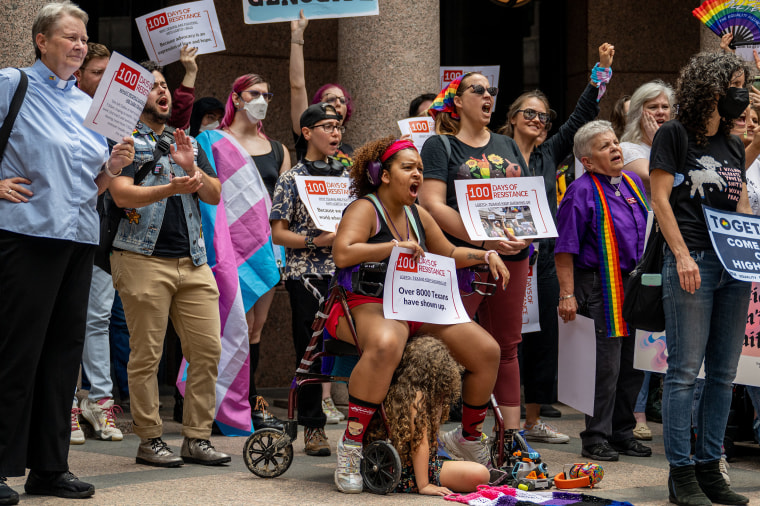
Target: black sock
254,362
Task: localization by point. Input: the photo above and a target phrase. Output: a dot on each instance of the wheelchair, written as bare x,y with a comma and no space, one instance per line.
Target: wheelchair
268,453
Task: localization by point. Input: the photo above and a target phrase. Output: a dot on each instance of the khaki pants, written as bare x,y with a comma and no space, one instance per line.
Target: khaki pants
153,289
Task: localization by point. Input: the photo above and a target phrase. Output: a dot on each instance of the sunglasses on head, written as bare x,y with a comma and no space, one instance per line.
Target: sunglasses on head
530,114
479,89
256,94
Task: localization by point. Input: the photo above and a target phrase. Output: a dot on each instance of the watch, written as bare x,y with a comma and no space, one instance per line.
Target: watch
309,242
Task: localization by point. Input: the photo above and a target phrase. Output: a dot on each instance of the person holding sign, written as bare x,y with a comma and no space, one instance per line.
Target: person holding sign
465,149
331,93
51,172
386,178
695,161
308,253
602,222
241,147
527,119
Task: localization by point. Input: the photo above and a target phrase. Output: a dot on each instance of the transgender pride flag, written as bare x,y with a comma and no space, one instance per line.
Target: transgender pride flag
239,250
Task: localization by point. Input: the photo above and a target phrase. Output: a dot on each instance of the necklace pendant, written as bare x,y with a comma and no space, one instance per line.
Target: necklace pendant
617,193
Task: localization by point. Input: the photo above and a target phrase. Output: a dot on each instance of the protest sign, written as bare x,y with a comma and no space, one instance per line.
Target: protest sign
746,52
491,208
425,290
119,99
325,198
490,72
530,322
576,373
165,31
736,239
271,11
419,128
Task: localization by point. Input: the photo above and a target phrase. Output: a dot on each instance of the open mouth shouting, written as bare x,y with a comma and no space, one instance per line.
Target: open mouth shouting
487,107
414,189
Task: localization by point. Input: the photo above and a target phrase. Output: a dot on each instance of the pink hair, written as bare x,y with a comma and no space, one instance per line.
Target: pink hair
238,86
349,103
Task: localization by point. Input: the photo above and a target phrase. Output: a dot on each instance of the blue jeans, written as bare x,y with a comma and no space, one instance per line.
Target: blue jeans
641,399
707,326
96,356
119,347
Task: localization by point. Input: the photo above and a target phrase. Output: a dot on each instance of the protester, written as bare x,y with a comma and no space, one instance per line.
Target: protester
386,177
695,162
308,253
619,114
92,69
52,170
241,147
159,249
651,106
419,105
602,224
206,115
417,404
184,94
527,121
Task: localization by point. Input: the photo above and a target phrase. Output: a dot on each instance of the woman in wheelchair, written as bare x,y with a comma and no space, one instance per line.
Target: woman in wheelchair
386,177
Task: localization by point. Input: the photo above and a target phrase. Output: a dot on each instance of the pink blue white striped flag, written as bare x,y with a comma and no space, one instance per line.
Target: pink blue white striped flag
239,251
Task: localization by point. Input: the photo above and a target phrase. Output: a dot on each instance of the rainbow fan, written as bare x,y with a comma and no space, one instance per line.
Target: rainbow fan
739,17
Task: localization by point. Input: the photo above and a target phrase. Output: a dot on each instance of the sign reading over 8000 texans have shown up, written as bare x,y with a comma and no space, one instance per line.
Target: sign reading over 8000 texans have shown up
325,198
425,290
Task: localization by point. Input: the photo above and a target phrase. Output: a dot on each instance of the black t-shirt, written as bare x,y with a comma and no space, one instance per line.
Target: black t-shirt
269,168
173,239
712,175
499,158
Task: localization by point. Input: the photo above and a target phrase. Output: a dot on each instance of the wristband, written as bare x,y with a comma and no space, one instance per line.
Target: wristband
565,297
395,242
309,243
299,42
108,171
600,76
488,254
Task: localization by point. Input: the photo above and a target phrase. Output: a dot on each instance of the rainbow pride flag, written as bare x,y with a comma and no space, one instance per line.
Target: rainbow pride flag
240,254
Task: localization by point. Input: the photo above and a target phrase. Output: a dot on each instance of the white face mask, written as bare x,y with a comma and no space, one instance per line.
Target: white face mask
210,126
256,109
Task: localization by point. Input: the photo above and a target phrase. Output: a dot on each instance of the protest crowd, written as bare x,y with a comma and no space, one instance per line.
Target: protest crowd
195,216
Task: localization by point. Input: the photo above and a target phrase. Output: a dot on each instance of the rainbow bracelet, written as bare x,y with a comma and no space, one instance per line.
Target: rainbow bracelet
601,76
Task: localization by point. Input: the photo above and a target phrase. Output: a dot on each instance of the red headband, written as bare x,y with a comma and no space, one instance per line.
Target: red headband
396,147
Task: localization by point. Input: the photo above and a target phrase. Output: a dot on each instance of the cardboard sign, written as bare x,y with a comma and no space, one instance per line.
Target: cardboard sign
576,375
492,208
325,198
194,24
425,290
272,11
490,72
530,321
119,99
736,240
419,128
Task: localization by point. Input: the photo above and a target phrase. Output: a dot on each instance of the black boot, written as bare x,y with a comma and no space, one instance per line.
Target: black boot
261,418
683,488
654,399
714,485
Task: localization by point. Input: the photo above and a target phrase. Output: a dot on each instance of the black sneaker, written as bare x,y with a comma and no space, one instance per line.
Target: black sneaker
57,484
600,451
7,494
632,448
261,417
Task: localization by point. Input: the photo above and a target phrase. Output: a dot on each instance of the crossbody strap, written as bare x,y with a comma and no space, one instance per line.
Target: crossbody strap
409,215
161,150
10,119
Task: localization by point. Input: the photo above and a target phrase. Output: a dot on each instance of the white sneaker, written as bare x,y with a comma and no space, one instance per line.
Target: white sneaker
77,435
101,416
723,466
348,477
543,433
331,412
461,449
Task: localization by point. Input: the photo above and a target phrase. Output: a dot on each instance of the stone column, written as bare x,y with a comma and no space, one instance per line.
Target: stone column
16,32
387,60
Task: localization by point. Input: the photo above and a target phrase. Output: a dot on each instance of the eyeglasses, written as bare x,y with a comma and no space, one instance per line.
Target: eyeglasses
256,94
530,114
332,99
479,90
330,127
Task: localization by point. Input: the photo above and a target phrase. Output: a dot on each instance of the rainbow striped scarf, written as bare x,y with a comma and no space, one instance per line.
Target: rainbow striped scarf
609,257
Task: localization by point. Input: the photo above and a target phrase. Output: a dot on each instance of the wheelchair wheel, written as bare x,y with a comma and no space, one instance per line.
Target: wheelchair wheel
380,467
518,443
268,453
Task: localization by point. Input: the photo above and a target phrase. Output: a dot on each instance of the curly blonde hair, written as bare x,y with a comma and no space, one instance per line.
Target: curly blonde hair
705,76
426,369
360,185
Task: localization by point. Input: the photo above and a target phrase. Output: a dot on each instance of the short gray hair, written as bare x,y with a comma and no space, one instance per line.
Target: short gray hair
586,134
643,94
48,17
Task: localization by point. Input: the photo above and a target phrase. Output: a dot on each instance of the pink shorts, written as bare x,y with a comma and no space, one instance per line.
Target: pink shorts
353,300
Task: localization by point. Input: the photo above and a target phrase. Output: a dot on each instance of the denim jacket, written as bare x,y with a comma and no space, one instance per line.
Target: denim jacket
138,232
